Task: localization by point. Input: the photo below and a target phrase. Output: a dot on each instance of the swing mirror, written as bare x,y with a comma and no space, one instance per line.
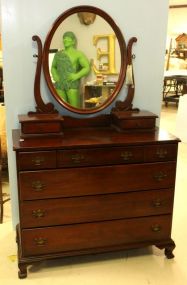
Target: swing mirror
84,59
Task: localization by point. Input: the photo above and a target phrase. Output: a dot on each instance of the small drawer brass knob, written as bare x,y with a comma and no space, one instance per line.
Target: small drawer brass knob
38,185
38,213
156,228
40,241
38,160
157,203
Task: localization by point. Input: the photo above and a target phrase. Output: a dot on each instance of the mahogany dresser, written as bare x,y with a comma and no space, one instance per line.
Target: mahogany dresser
101,180
92,190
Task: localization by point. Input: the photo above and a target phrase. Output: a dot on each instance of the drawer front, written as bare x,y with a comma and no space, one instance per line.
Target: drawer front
138,123
95,180
95,208
118,155
41,127
95,235
36,160
160,152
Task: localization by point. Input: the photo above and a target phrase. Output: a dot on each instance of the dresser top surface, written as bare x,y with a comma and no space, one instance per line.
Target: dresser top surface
91,137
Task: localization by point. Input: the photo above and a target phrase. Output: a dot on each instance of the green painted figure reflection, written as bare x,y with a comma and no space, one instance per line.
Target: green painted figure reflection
68,67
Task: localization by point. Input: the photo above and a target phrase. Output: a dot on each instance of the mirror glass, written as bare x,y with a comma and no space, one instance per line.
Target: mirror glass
84,59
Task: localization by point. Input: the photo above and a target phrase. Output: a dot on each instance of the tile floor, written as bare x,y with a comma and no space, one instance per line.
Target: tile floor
136,267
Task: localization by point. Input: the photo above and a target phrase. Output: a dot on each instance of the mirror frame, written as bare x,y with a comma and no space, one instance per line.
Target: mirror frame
123,53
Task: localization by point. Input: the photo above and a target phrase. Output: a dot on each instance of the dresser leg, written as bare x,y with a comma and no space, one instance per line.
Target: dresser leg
169,247
22,273
169,251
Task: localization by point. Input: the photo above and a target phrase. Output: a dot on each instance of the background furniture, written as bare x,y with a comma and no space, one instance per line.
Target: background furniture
1,85
3,137
181,46
3,197
175,85
1,192
96,94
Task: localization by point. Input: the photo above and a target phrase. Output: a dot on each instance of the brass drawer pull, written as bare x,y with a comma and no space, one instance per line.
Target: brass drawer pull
38,213
157,203
126,155
77,158
156,228
38,160
40,241
161,153
160,176
38,186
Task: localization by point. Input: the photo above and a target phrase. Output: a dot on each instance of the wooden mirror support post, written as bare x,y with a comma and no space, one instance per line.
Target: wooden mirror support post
45,120
124,116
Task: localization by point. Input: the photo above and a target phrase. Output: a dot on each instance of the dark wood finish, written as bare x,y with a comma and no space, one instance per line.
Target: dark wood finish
50,212
95,180
76,137
41,124
36,160
127,103
41,107
131,120
106,184
98,156
94,235
94,190
161,152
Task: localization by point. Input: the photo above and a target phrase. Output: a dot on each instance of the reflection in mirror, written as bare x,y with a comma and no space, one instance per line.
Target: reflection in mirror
86,18
85,61
68,66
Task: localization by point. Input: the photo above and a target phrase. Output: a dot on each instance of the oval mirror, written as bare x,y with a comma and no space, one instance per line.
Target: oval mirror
84,59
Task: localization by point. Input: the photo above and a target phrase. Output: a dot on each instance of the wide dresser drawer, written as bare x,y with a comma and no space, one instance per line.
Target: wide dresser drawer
60,211
82,181
94,235
100,156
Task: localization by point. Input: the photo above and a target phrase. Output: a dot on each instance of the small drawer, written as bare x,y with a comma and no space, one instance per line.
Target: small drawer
80,237
99,156
36,160
148,123
164,152
52,212
80,181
